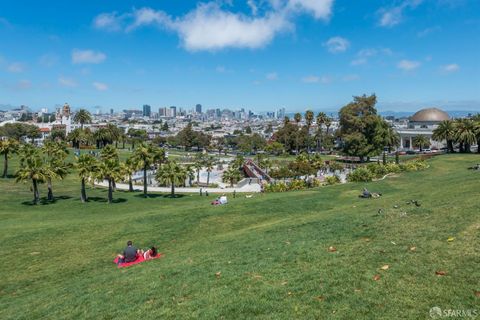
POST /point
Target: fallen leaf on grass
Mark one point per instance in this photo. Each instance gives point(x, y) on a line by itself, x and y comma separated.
point(319, 298)
point(440, 272)
point(34, 253)
point(357, 290)
point(393, 243)
point(385, 267)
point(332, 249)
point(477, 293)
point(413, 248)
point(450, 239)
point(218, 274)
point(284, 283)
point(376, 277)
point(289, 293)
point(287, 242)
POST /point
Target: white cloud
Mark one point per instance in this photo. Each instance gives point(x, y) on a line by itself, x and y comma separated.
point(326, 79)
point(337, 44)
point(100, 86)
point(220, 69)
point(351, 77)
point(87, 56)
point(23, 85)
point(365, 54)
point(271, 76)
point(108, 21)
point(48, 60)
point(310, 79)
point(211, 27)
point(449, 68)
point(16, 67)
point(67, 82)
point(390, 17)
point(428, 31)
point(253, 6)
point(408, 65)
point(321, 9)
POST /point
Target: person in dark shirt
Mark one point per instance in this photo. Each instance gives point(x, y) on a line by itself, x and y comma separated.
point(130, 253)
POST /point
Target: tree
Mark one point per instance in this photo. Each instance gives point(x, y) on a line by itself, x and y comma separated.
point(136, 136)
point(58, 134)
point(321, 119)
point(275, 148)
point(87, 169)
point(476, 128)
point(186, 137)
point(109, 169)
point(7, 147)
point(32, 169)
point(129, 168)
point(198, 164)
point(309, 118)
point(102, 137)
point(359, 124)
point(249, 144)
point(465, 134)
point(33, 132)
point(421, 142)
point(209, 164)
point(445, 132)
point(171, 173)
point(82, 117)
point(248, 130)
point(232, 175)
point(75, 136)
point(297, 117)
point(55, 154)
point(146, 156)
point(190, 171)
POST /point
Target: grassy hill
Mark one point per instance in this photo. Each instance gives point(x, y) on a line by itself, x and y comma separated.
point(270, 252)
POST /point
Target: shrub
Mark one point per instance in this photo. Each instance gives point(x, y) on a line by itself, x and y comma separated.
point(297, 185)
point(334, 166)
point(392, 168)
point(378, 170)
point(330, 180)
point(360, 175)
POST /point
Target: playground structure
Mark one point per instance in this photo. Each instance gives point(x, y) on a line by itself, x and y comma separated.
point(252, 170)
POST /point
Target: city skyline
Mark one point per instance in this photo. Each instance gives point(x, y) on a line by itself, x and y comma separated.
point(257, 55)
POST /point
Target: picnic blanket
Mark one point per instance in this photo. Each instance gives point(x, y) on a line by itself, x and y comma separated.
point(140, 259)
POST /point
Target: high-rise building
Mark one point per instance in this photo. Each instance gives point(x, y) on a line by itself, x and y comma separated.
point(147, 110)
point(198, 108)
point(111, 111)
point(173, 111)
point(281, 113)
point(162, 112)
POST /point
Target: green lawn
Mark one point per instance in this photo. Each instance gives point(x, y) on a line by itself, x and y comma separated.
point(271, 250)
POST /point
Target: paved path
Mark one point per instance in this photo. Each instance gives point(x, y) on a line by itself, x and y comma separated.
point(249, 188)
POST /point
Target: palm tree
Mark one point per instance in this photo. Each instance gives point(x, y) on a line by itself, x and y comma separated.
point(102, 137)
point(7, 147)
point(32, 168)
point(445, 132)
point(190, 170)
point(114, 133)
point(109, 169)
point(87, 167)
point(146, 156)
point(209, 165)
point(55, 154)
point(476, 120)
point(421, 142)
point(130, 167)
point(232, 175)
point(82, 117)
point(75, 136)
point(198, 164)
point(297, 117)
point(171, 173)
point(321, 119)
point(309, 115)
point(465, 134)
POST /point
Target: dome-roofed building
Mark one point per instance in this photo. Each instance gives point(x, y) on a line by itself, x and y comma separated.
point(422, 123)
point(430, 115)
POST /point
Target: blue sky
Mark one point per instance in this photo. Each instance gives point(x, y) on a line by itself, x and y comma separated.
point(256, 54)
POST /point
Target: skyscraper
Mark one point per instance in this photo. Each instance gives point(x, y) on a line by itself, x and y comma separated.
point(173, 111)
point(198, 108)
point(147, 110)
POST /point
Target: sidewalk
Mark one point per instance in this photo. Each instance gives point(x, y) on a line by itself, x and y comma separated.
point(249, 188)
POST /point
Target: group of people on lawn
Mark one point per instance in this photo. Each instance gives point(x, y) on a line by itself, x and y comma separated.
point(131, 254)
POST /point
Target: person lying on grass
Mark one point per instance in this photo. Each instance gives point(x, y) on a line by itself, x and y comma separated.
point(130, 253)
point(368, 194)
point(150, 253)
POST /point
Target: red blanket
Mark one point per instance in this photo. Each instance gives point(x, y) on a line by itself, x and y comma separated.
point(140, 259)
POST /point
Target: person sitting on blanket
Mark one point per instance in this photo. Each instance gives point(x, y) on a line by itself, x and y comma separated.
point(223, 199)
point(365, 193)
point(150, 253)
point(130, 253)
